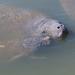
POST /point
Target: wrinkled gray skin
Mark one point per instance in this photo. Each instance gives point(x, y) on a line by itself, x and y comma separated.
point(22, 31)
point(42, 29)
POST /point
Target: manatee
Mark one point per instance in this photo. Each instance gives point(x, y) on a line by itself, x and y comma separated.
point(22, 31)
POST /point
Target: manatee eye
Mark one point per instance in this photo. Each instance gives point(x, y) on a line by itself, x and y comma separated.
point(44, 32)
point(58, 27)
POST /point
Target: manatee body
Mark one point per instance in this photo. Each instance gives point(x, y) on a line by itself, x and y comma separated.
point(22, 31)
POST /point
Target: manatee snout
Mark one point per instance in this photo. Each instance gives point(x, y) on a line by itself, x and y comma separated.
point(65, 31)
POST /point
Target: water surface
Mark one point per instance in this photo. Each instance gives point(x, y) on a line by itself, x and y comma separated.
point(55, 59)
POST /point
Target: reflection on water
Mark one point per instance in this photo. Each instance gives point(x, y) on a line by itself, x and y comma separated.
point(55, 59)
point(68, 6)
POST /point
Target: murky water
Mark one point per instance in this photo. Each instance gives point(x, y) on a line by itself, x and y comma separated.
point(55, 59)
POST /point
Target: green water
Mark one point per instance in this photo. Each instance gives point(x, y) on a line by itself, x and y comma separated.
point(56, 59)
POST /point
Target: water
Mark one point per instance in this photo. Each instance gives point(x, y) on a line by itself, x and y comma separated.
point(55, 59)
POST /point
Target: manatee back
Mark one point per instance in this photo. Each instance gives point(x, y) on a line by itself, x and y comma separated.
point(16, 26)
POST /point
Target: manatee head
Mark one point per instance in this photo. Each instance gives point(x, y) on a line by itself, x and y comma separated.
point(54, 29)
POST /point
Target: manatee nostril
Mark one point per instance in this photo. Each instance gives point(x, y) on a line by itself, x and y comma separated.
point(61, 25)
